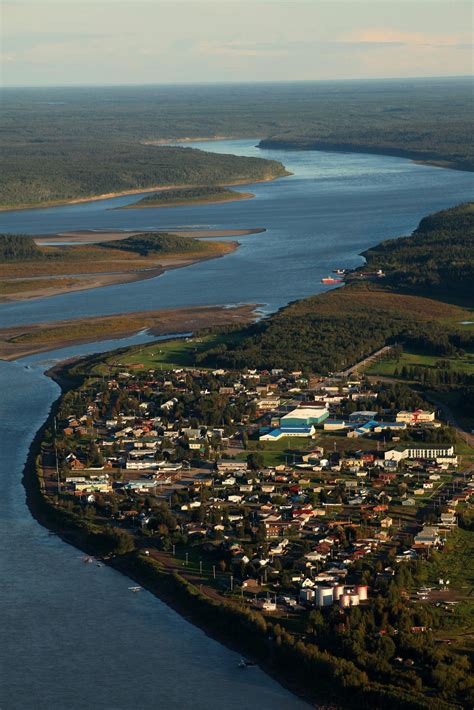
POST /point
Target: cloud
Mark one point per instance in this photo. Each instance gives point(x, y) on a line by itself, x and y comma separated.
point(386, 37)
point(237, 48)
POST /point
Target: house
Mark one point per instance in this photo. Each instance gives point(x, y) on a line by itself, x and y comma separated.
point(418, 416)
point(427, 537)
point(335, 425)
point(266, 404)
point(98, 485)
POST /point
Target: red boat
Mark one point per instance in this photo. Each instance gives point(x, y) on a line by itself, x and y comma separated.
point(331, 280)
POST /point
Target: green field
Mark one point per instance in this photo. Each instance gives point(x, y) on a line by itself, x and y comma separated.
point(278, 452)
point(167, 354)
point(387, 366)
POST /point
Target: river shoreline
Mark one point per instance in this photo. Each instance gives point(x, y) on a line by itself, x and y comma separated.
point(88, 281)
point(42, 512)
point(134, 191)
point(183, 203)
point(328, 147)
point(19, 342)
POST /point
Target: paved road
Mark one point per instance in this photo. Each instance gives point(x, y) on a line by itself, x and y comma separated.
point(366, 361)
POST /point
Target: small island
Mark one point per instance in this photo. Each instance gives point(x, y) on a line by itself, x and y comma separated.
point(32, 270)
point(189, 196)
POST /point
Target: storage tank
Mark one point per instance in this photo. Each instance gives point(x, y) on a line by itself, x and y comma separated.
point(361, 590)
point(324, 596)
point(354, 597)
point(337, 592)
point(345, 601)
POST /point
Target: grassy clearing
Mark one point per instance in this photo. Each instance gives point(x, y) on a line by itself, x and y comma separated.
point(170, 353)
point(456, 562)
point(278, 452)
point(366, 295)
point(387, 366)
point(11, 288)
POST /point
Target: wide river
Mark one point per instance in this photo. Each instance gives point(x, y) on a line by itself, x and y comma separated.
point(333, 207)
point(72, 635)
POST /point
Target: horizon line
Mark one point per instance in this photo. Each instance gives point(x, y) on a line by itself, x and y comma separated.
point(240, 82)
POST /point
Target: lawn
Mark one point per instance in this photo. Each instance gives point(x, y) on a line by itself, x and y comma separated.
point(278, 452)
point(168, 354)
point(387, 366)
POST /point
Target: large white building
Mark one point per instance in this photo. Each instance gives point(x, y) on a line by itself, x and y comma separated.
point(439, 453)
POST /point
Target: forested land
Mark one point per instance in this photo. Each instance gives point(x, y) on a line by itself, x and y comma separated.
point(188, 195)
point(334, 330)
point(152, 243)
point(18, 247)
point(438, 258)
point(55, 171)
point(61, 144)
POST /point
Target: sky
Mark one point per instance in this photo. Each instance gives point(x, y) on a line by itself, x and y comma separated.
point(99, 42)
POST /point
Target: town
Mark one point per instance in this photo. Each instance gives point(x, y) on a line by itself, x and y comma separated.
point(288, 493)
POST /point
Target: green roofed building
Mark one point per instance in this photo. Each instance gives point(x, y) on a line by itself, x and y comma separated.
point(304, 417)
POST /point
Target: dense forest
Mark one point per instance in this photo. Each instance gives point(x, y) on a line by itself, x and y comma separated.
point(437, 258)
point(183, 195)
point(18, 247)
point(59, 144)
point(48, 172)
point(149, 243)
point(318, 334)
point(333, 330)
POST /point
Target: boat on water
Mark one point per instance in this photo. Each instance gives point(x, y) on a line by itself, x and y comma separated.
point(331, 280)
point(243, 663)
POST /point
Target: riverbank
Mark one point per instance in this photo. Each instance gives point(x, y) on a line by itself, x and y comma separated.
point(18, 342)
point(418, 157)
point(135, 191)
point(93, 236)
point(315, 675)
point(41, 279)
point(188, 196)
point(212, 605)
point(165, 587)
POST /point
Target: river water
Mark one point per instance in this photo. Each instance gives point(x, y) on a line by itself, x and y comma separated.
point(72, 635)
point(332, 208)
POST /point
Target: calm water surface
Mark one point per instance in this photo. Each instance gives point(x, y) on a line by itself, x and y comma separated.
point(72, 635)
point(332, 208)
